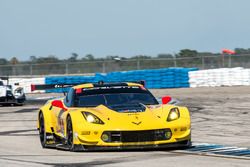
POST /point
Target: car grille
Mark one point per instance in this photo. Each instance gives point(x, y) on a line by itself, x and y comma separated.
point(138, 136)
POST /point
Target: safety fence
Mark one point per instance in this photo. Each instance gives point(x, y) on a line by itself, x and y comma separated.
point(155, 79)
point(106, 66)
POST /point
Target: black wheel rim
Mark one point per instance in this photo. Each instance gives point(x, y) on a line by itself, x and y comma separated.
point(69, 132)
point(41, 129)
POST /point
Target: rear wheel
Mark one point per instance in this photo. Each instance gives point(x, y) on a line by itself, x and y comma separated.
point(20, 102)
point(6, 104)
point(42, 132)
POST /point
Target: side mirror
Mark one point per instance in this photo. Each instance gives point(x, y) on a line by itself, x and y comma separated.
point(59, 104)
point(166, 99)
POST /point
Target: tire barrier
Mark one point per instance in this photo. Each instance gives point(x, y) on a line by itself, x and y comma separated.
point(155, 78)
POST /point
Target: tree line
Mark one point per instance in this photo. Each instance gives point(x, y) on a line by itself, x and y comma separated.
point(74, 57)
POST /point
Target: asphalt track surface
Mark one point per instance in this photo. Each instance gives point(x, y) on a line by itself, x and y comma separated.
point(220, 117)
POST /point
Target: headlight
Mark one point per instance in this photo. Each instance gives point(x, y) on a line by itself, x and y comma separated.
point(91, 118)
point(174, 114)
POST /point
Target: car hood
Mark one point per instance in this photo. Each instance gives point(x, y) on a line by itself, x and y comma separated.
point(154, 116)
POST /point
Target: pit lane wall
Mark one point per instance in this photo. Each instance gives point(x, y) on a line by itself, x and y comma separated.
point(155, 78)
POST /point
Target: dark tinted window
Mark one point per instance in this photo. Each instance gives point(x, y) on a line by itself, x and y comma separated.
point(68, 100)
point(115, 99)
point(91, 100)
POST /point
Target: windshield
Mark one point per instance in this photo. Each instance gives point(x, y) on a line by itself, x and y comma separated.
point(116, 99)
point(120, 99)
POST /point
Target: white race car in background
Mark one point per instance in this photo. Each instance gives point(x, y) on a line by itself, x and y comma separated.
point(11, 94)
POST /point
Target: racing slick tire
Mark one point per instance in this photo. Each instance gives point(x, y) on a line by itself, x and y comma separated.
point(42, 132)
point(6, 104)
point(18, 104)
point(70, 137)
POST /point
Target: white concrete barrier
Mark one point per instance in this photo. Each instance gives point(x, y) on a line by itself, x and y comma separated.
point(219, 77)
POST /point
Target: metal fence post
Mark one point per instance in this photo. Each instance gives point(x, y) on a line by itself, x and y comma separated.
point(138, 64)
point(66, 68)
point(175, 63)
point(202, 62)
point(229, 61)
point(13, 70)
point(223, 60)
point(31, 70)
point(103, 67)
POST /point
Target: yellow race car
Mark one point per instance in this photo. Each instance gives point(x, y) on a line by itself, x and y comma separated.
point(104, 116)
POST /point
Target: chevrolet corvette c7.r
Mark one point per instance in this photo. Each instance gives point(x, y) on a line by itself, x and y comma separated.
point(108, 116)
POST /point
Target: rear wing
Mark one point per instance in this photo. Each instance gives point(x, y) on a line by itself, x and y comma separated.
point(5, 78)
point(50, 86)
point(98, 84)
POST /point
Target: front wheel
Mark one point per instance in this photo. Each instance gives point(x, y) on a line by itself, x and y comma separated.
point(42, 132)
point(70, 137)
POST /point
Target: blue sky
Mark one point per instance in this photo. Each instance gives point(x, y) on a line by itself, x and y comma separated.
point(120, 27)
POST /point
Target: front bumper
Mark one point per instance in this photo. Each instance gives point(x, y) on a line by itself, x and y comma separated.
point(181, 144)
point(178, 139)
point(12, 100)
point(136, 137)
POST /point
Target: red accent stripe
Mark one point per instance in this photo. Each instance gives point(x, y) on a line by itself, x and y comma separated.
point(79, 90)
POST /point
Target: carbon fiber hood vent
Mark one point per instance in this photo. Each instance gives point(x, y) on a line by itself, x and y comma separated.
point(131, 107)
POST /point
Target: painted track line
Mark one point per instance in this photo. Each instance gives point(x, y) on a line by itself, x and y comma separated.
point(216, 150)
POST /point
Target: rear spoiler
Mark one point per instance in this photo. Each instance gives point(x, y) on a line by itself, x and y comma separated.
point(5, 78)
point(98, 84)
point(49, 86)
